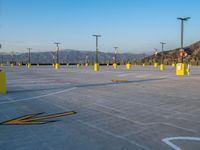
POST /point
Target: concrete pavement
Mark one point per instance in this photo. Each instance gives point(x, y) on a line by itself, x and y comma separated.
point(140, 114)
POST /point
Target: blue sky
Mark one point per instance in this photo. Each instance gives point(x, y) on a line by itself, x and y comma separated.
point(133, 25)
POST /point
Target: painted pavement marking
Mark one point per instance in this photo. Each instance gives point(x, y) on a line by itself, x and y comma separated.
point(175, 147)
point(41, 96)
point(33, 119)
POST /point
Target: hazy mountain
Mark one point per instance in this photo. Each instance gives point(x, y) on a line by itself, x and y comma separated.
point(70, 56)
point(170, 56)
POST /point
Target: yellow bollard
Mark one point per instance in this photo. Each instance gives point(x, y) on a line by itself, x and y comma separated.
point(53, 66)
point(107, 65)
point(128, 66)
point(57, 66)
point(155, 65)
point(180, 69)
point(29, 66)
point(162, 67)
point(78, 66)
point(115, 66)
point(2, 83)
point(96, 67)
point(86, 65)
point(143, 65)
point(173, 65)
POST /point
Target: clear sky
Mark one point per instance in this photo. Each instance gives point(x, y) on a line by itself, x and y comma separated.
point(132, 25)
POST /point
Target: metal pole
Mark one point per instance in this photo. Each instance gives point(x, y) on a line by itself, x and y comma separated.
point(29, 55)
point(57, 52)
point(155, 55)
point(115, 54)
point(162, 51)
point(53, 62)
point(182, 30)
point(57, 55)
point(182, 34)
point(97, 47)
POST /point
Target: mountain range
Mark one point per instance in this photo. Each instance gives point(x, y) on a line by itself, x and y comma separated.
point(68, 56)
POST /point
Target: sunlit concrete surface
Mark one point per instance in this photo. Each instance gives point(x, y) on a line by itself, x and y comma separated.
point(139, 114)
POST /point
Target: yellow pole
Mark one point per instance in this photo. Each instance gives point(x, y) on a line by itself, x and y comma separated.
point(96, 67)
point(162, 67)
point(2, 83)
point(115, 66)
point(128, 66)
point(57, 66)
point(78, 66)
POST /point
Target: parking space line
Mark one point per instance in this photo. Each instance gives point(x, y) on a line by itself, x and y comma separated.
point(41, 96)
point(175, 147)
point(114, 135)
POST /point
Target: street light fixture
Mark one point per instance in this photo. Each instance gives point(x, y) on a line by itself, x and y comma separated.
point(115, 52)
point(57, 51)
point(162, 43)
point(97, 47)
point(182, 33)
point(29, 55)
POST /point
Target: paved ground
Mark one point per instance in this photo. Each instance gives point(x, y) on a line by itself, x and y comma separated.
point(153, 110)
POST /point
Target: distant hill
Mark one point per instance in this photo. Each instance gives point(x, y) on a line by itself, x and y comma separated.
point(70, 56)
point(171, 56)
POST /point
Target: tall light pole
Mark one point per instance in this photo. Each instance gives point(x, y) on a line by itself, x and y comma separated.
point(162, 43)
point(29, 55)
point(155, 54)
point(86, 59)
point(52, 53)
point(57, 51)
point(12, 57)
point(97, 47)
point(115, 52)
point(182, 33)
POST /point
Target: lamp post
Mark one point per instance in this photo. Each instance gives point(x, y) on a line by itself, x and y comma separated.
point(97, 47)
point(155, 57)
point(162, 43)
point(29, 55)
point(96, 65)
point(162, 67)
point(182, 34)
point(57, 52)
point(57, 55)
point(115, 52)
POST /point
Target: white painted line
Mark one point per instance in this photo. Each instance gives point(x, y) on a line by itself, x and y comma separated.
point(112, 134)
point(41, 96)
point(175, 147)
point(40, 84)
